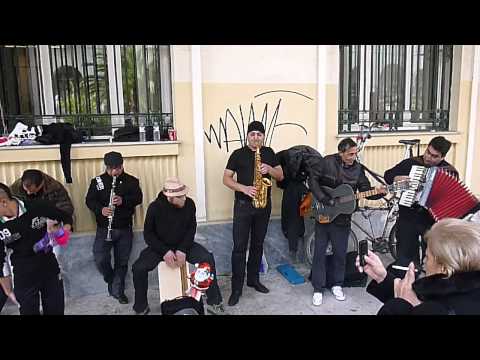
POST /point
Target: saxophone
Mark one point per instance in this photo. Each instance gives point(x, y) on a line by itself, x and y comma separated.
point(261, 184)
point(111, 206)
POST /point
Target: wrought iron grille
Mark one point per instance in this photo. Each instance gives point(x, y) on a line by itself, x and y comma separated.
point(81, 89)
point(397, 87)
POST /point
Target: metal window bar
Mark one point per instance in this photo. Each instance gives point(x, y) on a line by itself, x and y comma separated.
point(72, 87)
point(409, 87)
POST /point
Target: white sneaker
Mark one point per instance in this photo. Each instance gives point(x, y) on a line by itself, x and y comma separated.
point(338, 293)
point(317, 298)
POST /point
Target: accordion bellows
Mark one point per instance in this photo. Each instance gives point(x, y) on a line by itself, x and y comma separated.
point(449, 197)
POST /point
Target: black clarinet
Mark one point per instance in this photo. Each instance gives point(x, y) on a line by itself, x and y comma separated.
point(111, 206)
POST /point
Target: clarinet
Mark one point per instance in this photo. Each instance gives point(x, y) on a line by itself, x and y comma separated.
point(111, 206)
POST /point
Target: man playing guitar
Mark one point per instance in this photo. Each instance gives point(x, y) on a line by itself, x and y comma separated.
point(339, 168)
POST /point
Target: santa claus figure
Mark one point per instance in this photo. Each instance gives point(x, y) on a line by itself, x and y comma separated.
point(200, 280)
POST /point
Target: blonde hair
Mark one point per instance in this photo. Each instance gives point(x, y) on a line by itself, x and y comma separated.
point(455, 245)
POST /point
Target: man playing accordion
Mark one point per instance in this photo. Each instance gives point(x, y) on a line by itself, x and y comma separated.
point(416, 220)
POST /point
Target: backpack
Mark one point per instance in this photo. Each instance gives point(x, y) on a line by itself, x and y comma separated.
point(182, 305)
point(131, 133)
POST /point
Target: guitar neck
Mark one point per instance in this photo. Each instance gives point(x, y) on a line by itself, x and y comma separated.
point(364, 194)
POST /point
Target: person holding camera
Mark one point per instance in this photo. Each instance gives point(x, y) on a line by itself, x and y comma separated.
point(339, 168)
point(452, 282)
point(24, 231)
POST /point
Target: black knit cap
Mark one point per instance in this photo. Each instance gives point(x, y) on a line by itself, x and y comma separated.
point(113, 159)
point(256, 126)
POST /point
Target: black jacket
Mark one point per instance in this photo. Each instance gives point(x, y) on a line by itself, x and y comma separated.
point(298, 162)
point(168, 227)
point(98, 196)
point(415, 212)
point(334, 173)
point(459, 294)
point(21, 233)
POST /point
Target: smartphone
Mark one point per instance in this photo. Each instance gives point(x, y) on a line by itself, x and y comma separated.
point(362, 251)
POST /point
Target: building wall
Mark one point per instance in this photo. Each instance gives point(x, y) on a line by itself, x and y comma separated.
point(151, 164)
point(293, 89)
point(273, 84)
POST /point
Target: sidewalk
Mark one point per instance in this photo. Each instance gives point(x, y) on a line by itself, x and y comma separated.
point(283, 299)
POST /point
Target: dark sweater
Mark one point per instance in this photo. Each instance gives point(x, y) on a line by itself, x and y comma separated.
point(21, 233)
point(52, 191)
point(168, 227)
point(403, 169)
point(333, 173)
point(98, 197)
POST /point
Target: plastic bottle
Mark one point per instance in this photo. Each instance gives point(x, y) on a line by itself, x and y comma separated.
point(141, 128)
point(156, 132)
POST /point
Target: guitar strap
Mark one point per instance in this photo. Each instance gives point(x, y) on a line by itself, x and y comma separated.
point(375, 175)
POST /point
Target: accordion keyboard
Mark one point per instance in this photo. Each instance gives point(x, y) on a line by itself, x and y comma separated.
point(416, 176)
point(407, 198)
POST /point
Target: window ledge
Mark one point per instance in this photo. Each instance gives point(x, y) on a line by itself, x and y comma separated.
point(88, 151)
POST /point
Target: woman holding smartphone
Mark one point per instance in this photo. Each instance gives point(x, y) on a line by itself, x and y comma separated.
point(452, 282)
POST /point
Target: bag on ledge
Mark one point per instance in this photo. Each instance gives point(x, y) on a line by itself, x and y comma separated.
point(131, 133)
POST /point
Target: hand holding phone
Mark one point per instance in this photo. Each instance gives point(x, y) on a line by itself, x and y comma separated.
point(362, 251)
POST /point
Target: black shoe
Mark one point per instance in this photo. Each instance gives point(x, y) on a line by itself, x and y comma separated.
point(122, 299)
point(109, 288)
point(144, 312)
point(259, 287)
point(233, 300)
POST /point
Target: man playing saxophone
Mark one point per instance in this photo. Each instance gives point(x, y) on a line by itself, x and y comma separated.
point(254, 165)
point(112, 197)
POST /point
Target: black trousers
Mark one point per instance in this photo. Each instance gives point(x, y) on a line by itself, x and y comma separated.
point(122, 247)
point(47, 287)
point(293, 225)
point(408, 231)
point(334, 270)
point(248, 222)
point(149, 260)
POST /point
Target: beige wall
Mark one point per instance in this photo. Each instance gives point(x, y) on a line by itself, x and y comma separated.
point(234, 76)
point(237, 87)
point(151, 164)
point(292, 108)
point(243, 77)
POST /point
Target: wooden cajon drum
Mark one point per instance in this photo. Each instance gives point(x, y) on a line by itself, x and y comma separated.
point(171, 282)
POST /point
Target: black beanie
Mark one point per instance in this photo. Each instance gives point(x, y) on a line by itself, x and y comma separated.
point(256, 126)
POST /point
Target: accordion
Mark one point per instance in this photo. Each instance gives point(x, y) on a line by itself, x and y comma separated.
point(438, 191)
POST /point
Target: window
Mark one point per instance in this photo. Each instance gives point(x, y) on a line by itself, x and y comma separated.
point(398, 87)
point(95, 87)
point(21, 88)
point(146, 83)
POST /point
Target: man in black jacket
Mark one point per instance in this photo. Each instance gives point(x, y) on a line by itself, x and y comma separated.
point(169, 231)
point(23, 227)
point(127, 195)
point(414, 221)
point(339, 168)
